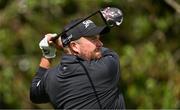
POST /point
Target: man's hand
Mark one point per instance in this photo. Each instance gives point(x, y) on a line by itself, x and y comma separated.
point(48, 49)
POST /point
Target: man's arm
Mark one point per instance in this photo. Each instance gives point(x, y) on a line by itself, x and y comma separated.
point(108, 63)
point(45, 63)
point(37, 90)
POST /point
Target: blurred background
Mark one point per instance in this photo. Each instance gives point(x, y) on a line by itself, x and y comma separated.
point(148, 43)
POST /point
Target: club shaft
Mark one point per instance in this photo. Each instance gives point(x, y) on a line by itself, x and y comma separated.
point(58, 35)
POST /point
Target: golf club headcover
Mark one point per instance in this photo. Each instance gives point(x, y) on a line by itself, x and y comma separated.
point(49, 51)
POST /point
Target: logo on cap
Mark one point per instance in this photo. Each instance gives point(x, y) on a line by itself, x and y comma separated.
point(67, 40)
point(87, 23)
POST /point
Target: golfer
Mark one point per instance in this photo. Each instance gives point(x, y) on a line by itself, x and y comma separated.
point(87, 75)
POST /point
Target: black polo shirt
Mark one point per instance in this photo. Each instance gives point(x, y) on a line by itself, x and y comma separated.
point(68, 86)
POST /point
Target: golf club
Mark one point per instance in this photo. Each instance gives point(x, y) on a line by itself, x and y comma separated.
point(111, 16)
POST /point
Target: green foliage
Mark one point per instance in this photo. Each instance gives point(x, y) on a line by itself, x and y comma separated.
point(147, 42)
point(141, 26)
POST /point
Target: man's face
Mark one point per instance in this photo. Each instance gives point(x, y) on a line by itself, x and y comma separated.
point(90, 47)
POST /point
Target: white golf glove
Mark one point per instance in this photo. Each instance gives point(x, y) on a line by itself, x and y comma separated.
point(49, 51)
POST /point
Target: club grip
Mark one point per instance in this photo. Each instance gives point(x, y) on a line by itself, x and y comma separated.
point(55, 38)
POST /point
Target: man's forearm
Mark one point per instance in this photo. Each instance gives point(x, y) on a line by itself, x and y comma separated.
point(45, 63)
point(37, 90)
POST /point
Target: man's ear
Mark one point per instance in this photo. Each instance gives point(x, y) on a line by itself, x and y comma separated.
point(74, 47)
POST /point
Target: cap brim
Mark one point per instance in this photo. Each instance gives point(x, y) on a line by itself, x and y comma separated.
point(97, 31)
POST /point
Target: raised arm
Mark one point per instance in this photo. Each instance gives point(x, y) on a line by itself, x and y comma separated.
point(37, 89)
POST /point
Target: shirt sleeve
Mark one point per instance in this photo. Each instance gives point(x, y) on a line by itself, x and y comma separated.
point(109, 58)
point(106, 69)
point(37, 90)
point(108, 52)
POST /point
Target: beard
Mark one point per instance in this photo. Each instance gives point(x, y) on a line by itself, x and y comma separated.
point(94, 55)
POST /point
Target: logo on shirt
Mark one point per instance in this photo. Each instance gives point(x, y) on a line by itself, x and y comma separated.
point(38, 83)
